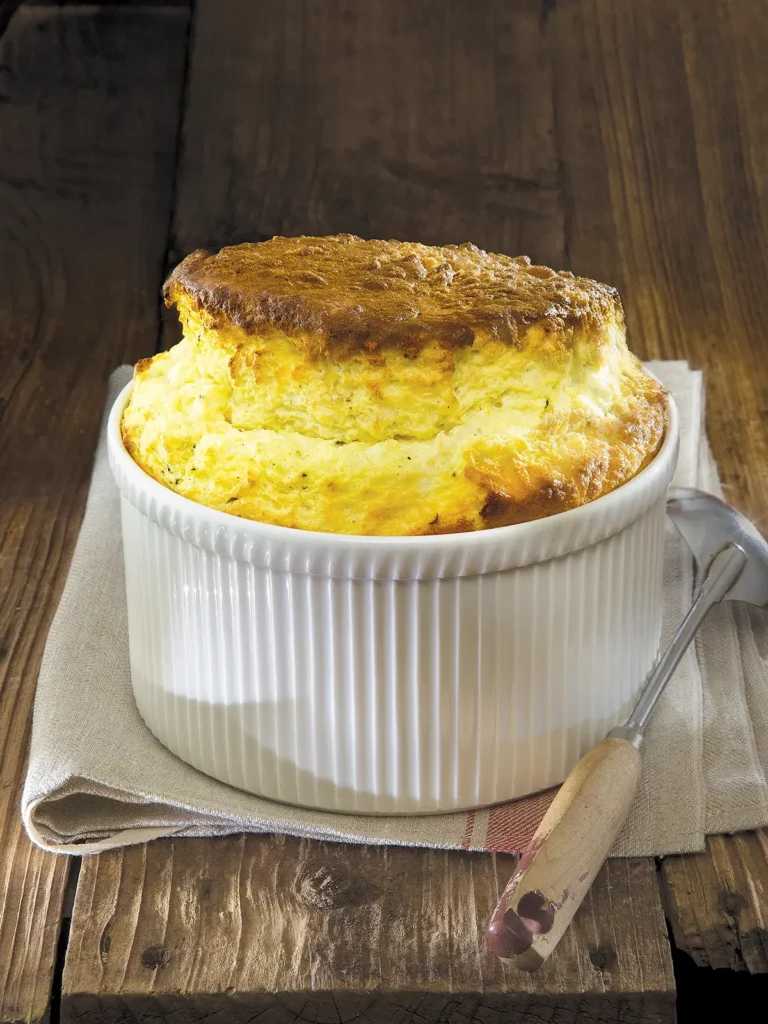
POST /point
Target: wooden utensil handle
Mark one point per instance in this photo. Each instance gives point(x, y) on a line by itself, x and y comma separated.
point(565, 854)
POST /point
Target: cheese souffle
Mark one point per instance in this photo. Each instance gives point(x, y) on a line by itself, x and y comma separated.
point(389, 388)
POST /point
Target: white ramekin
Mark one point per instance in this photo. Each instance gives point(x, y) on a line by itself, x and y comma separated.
point(389, 675)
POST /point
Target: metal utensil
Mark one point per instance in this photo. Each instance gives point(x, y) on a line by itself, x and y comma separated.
point(577, 832)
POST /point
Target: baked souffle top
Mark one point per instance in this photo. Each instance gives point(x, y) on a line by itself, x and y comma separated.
point(391, 388)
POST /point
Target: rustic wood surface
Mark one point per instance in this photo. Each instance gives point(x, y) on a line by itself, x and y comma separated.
point(84, 207)
point(397, 120)
point(717, 902)
point(285, 929)
point(625, 140)
point(662, 116)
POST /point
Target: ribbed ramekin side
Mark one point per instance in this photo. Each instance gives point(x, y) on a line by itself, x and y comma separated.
point(377, 696)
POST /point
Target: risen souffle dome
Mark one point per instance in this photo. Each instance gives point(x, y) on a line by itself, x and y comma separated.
point(390, 388)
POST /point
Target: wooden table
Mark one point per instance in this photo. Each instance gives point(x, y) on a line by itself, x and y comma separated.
point(627, 140)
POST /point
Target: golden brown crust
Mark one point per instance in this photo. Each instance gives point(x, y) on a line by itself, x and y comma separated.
point(340, 292)
point(387, 388)
point(581, 470)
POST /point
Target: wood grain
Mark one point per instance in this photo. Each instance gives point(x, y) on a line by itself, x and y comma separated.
point(662, 114)
point(288, 929)
point(88, 108)
point(430, 121)
point(717, 902)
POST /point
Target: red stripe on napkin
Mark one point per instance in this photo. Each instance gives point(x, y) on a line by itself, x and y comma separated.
point(468, 830)
point(511, 826)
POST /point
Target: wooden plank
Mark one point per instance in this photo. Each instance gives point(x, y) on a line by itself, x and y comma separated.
point(667, 195)
point(287, 929)
point(88, 121)
point(431, 121)
point(662, 116)
point(717, 902)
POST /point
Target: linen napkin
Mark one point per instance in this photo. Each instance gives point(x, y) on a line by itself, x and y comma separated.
point(97, 778)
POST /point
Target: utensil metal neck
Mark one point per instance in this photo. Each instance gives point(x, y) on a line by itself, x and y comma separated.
point(724, 569)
